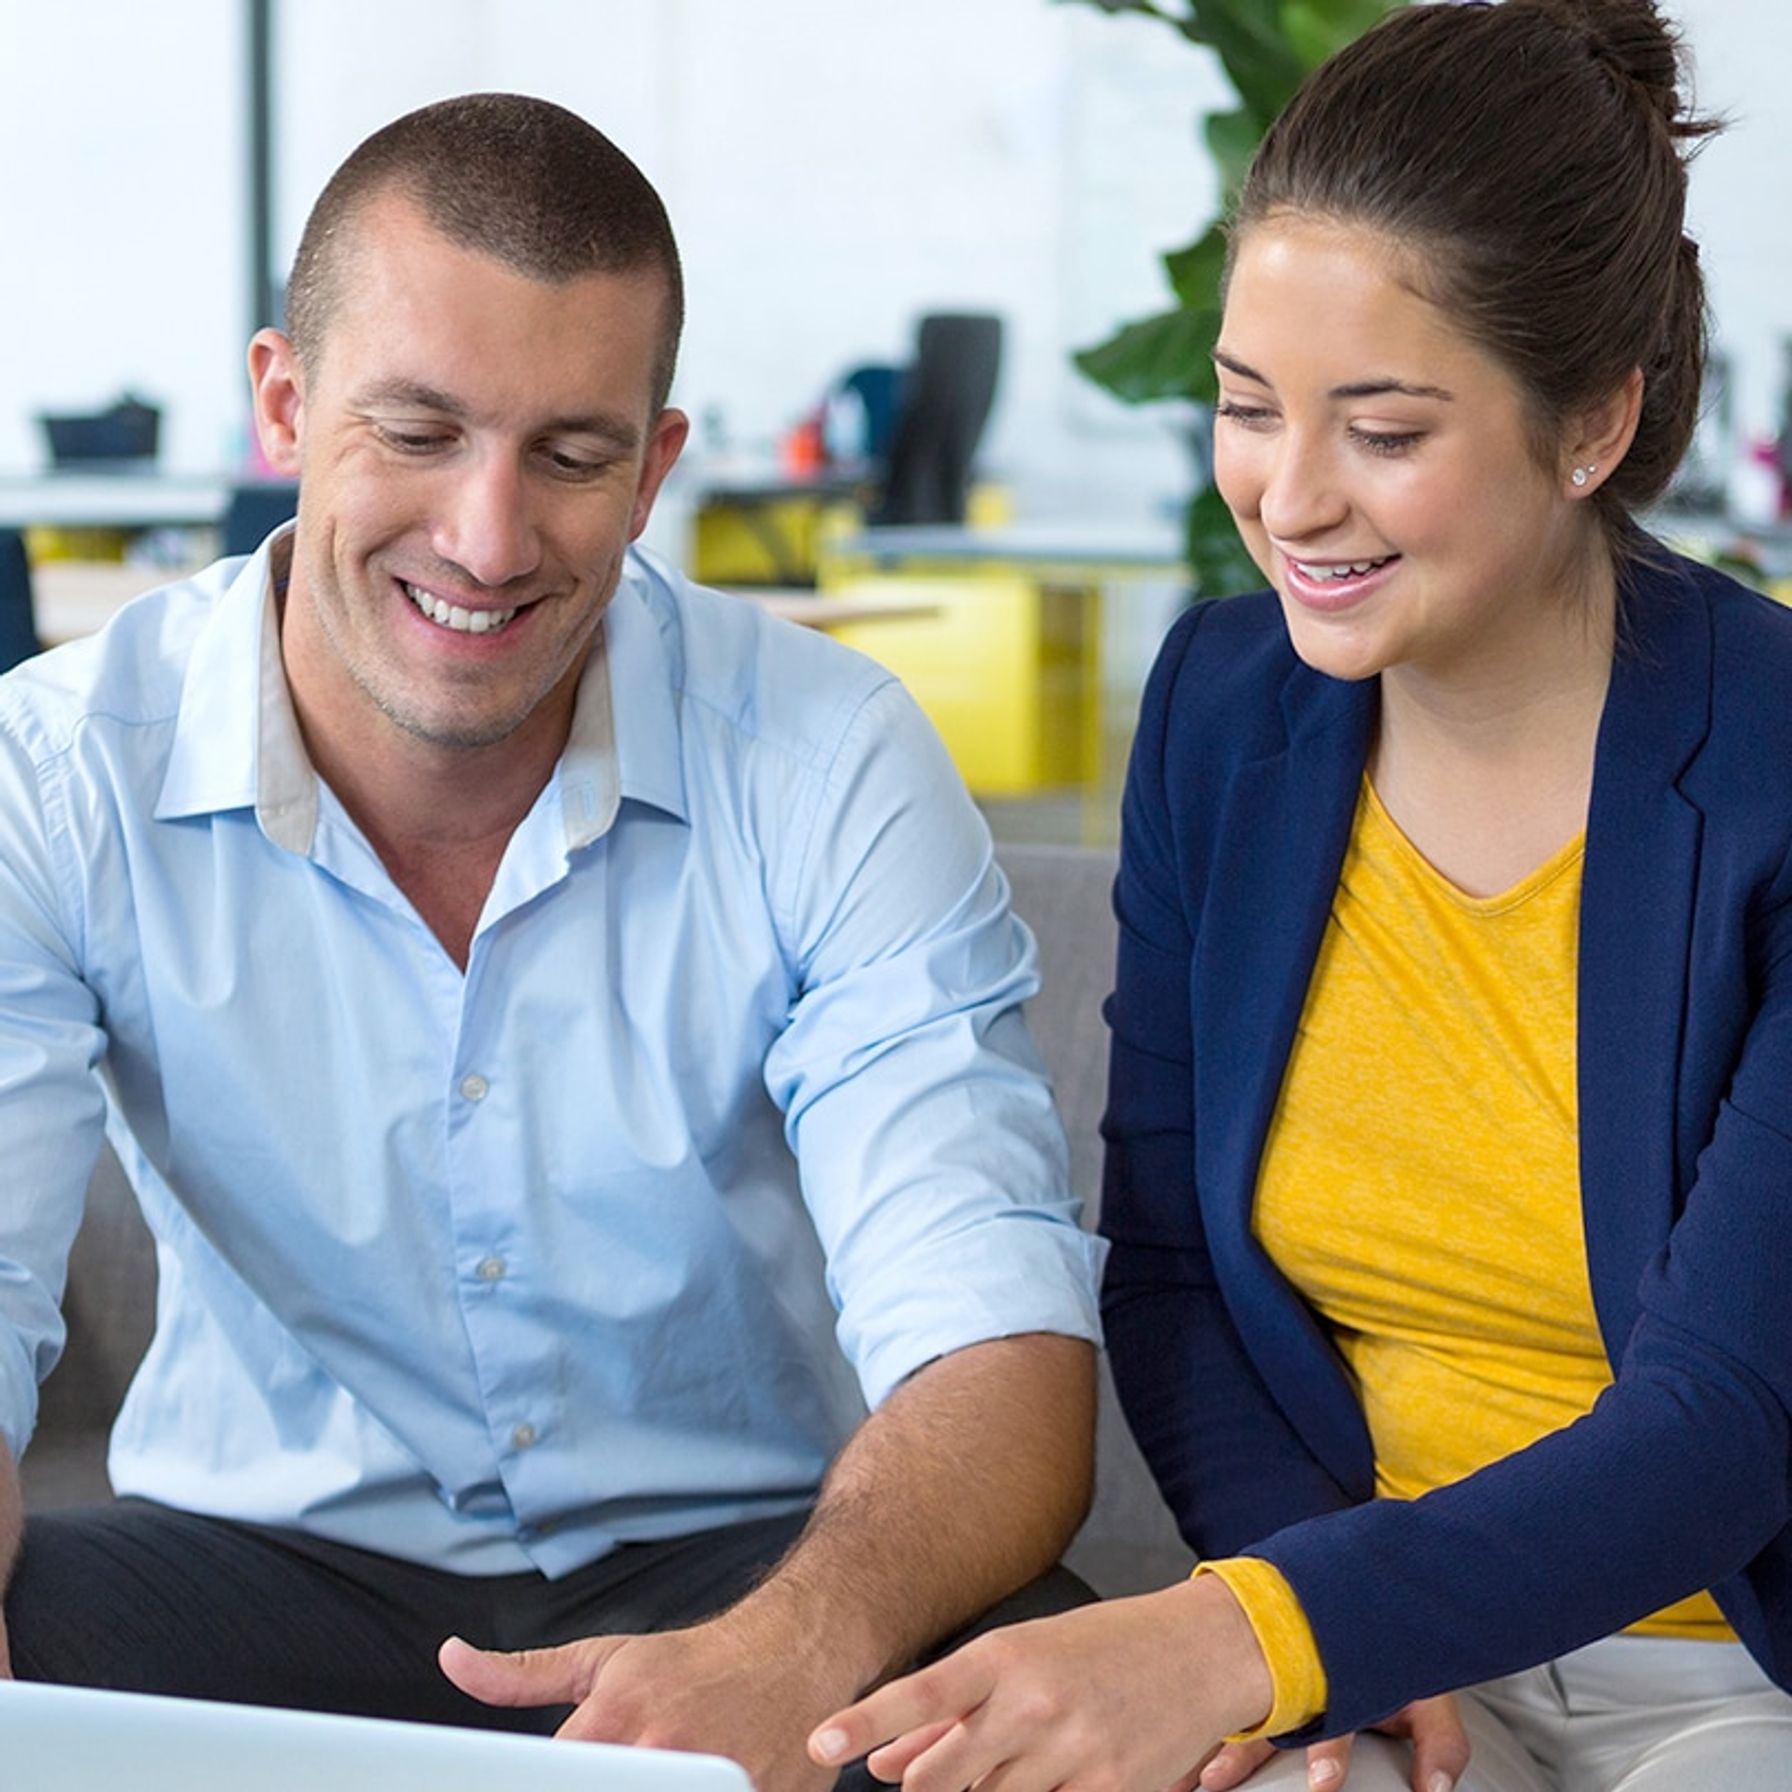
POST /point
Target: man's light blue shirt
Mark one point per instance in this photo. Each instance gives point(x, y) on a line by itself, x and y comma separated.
point(731, 1123)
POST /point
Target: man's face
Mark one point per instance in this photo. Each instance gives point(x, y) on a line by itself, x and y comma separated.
point(475, 451)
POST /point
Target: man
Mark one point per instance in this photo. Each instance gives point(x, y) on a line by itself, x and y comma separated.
point(539, 1004)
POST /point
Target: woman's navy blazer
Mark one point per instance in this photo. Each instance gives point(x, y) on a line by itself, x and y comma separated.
point(1239, 802)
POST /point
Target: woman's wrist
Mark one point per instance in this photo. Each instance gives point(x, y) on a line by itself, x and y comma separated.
point(1215, 1639)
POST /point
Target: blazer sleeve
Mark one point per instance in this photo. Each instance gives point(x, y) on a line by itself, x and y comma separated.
point(1230, 1465)
point(1678, 1479)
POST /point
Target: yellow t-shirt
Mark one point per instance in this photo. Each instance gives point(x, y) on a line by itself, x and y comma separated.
point(1421, 1181)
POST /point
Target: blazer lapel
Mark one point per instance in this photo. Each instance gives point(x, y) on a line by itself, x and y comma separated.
point(1283, 829)
point(1636, 920)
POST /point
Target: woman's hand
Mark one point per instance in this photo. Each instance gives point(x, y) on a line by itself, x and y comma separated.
point(1439, 1752)
point(1127, 1696)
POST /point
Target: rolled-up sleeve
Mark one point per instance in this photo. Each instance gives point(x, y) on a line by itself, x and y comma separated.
point(932, 1159)
point(51, 1106)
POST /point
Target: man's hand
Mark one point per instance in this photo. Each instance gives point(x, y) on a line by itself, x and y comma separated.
point(963, 1486)
point(1132, 1695)
point(710, 1689)
point(1439, 1752)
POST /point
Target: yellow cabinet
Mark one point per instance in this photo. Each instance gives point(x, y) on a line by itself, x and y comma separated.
point(1008, 667)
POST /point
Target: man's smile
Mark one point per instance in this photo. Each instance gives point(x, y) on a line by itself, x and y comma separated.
point(456, 616)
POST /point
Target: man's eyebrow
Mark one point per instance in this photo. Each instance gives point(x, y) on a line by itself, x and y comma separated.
point(1374, 388)
point(412, 393)
point(619, 432)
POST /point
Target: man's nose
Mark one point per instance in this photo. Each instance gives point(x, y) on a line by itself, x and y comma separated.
point(487, 526)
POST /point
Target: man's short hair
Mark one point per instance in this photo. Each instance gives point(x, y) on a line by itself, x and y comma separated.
point(519, 179)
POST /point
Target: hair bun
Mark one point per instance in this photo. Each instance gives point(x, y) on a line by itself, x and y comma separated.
point(1633, 40)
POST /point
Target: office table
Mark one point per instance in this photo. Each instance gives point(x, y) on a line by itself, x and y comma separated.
point(1063, 551)
point(122, 500)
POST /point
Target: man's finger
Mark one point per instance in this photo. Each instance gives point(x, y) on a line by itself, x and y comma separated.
point(938, 1695)
point(561, 1676)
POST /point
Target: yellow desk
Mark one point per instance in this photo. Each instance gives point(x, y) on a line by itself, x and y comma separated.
point(1010, 668)
point(773, 534)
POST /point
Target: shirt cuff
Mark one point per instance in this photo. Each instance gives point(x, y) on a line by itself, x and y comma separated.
point(1297, 1675)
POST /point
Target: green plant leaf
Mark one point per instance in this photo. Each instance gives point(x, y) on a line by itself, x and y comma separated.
point(1195, 271)
point(1345, 19)
point(1316, 29)
point(1218, 563)
point(1232, 139)
point(1166, 356)
point(1257, 59)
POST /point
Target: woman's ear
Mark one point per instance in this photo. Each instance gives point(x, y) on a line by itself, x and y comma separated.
point(1600, 437)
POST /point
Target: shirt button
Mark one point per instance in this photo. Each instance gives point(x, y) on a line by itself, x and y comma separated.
point(523, 1436)
point(491, 1269)
point(474, 1086)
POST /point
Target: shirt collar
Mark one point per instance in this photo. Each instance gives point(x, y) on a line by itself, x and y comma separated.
point(215, 762)
point(646, 688)
point(237, 742)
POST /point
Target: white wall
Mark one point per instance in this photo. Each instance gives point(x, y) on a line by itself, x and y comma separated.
point(1741, 206)
point(121, 183)
point(833, 167)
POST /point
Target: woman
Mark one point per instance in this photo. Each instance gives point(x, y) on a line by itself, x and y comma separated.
point(1450, 1125)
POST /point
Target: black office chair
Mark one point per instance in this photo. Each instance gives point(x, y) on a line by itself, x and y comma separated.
point(18, 621)
point(946, 397)
point(256, 511)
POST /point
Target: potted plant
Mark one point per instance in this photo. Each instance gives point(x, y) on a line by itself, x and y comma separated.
point(1266, 48)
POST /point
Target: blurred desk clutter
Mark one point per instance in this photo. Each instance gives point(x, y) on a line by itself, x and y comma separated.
point(124, 437)
point(87, 541)
point(1758, 551)
point(885, 445)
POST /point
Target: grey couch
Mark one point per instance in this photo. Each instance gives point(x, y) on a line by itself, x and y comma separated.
point(1129, 1543)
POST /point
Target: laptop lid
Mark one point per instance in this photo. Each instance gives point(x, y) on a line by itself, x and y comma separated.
point(75, 1739)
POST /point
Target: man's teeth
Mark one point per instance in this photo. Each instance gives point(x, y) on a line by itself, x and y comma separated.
point(1340, 570)
point(468, 622)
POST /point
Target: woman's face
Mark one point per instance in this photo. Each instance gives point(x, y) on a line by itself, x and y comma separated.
point(1381, 466)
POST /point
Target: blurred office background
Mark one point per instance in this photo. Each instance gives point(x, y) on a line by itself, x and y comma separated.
point(836, 169)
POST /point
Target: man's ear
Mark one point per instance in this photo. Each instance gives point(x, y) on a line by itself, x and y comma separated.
point(278, 390)
point(1601, 436)
point(664, 446)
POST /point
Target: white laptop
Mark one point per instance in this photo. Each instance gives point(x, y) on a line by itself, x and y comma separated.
point(72, 1739)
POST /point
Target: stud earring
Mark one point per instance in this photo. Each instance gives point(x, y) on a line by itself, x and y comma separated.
point(1581, 475)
